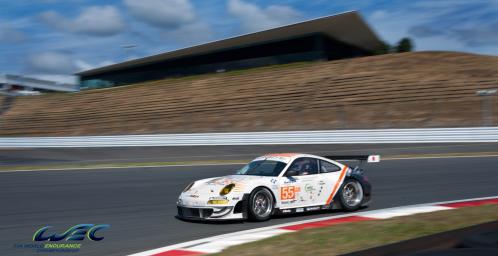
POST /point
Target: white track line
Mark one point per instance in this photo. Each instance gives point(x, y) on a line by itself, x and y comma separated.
point(436, 157)
point(121, 167)
point(221, 164)
point(405, 211)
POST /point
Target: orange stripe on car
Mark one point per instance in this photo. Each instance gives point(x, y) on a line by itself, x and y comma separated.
point(336, 186)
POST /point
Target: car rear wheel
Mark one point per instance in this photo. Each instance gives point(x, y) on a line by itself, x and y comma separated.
point(351, 195)
point(260, 204)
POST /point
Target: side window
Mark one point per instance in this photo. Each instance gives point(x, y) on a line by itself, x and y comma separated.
point(326, 167)
point(304, 166)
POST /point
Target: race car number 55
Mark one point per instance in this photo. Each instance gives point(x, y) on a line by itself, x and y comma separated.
point(288, 192)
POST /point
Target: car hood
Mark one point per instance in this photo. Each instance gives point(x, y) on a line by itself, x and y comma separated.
point(213, 186)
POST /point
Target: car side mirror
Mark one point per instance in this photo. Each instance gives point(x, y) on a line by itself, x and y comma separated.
point(291, 173)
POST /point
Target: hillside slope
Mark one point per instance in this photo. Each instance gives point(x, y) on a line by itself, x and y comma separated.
point(421, 89)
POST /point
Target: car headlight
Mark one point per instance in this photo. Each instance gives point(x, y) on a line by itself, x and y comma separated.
point(224, 191)
point(218, 201)
point(188, 186)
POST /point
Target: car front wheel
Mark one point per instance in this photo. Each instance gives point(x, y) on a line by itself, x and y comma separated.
point(260, 204)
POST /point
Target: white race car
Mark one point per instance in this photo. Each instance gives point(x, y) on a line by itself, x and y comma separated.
point(278, 184)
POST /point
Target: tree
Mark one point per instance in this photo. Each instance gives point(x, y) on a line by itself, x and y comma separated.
point(384, 49)
point(404, 45)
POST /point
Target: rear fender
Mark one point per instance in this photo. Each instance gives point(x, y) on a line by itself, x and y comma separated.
point(358, 176)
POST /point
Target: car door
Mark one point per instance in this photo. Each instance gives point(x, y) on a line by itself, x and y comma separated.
point(301, 189)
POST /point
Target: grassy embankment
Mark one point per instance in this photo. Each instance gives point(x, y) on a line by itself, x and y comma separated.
point(350, 237)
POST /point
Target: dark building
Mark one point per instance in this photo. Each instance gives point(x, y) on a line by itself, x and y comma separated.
point(334, 37)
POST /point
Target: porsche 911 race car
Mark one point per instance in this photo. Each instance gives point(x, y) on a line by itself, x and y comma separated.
point(278, 184)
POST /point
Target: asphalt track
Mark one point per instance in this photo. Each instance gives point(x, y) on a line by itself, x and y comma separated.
point(139, 203)
point(47, 156)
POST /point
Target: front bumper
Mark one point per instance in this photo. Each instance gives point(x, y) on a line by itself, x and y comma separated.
point(208, 213)
point(233, 211)
point(194, 213)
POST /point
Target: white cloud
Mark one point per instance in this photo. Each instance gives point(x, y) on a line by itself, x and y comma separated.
point(255, 18)
point(390, 24)
point(59, 63)
point(379, 14)
point(481, 36)
point(190, 34)
point(176, 20)
point(468, 26)
point(93, 20)
point(52, 63)
point(10, 35)
point(83, 65)
point(162, 13)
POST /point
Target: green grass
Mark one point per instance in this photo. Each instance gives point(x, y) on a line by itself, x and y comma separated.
point(350, 237)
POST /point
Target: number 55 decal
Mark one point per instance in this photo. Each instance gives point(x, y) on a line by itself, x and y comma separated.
point(289, 192)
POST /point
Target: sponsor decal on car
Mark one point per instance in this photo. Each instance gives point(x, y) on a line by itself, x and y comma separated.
point(308, 188)
point(239, 187)
point(310, 191)
point(289, 202)
point(220, 181)
point(277, 157)
point(289, 192)
point(299, 209)
point(313, 208)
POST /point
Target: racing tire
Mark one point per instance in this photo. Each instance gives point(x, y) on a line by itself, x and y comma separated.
point(351, 195)
point(261, 204)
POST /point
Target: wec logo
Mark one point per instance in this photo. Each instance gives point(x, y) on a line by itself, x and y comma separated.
point(75, 233)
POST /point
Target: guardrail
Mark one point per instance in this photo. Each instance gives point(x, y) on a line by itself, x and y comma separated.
point(432, 135)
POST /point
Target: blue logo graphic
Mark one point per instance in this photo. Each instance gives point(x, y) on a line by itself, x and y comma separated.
point(75, 233)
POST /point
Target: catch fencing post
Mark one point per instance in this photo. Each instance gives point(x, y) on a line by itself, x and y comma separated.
point(487, 106)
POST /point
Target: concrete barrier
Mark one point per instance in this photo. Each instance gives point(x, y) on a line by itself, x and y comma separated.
point(432, 135)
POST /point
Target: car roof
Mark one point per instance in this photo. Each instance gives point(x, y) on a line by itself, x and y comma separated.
point(281, 154)
point(291, 155)
point(287, 157)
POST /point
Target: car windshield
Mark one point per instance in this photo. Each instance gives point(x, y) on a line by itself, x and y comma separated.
point(262, 168)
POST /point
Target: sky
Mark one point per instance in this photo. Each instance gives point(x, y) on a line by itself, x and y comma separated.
point(53, 39)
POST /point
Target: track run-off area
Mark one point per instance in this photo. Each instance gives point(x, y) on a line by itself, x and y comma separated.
point(139, 204)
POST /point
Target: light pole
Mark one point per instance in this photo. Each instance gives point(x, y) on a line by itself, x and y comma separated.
point(128, 48)
point(486, 105)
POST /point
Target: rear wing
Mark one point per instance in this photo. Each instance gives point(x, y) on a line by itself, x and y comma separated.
point(361, 158)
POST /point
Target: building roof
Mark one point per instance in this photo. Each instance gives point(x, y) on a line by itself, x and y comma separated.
point(37, 83)
point(348, 27)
